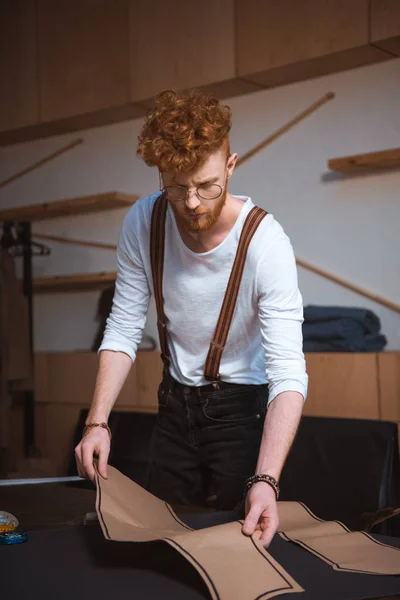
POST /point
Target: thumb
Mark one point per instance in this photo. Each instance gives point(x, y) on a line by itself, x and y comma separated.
point(102, 464)
point(251, 521)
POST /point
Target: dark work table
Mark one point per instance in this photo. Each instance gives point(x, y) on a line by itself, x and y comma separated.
point(64, 559)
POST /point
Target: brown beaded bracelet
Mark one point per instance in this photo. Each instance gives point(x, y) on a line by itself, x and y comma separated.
point(91, 425)
point(271, 481)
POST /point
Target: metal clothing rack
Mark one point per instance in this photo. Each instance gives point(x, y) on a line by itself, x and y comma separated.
point(16, 237)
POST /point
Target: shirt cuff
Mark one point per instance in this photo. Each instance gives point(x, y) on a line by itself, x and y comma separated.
point(118, 347)
point(287, 386)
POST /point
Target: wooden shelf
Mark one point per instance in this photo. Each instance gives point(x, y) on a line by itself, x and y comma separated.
point(70, 206)
point(373, 160)
point(74, 283)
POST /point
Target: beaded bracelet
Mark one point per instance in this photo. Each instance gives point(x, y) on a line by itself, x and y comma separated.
point(91, 425)
point(271, 481)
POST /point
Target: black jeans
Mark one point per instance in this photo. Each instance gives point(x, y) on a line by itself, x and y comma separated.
point(206, 442)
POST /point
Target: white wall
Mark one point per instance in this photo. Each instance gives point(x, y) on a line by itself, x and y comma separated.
point(346, 225)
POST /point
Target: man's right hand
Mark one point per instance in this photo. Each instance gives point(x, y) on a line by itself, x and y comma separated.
point(95, 443)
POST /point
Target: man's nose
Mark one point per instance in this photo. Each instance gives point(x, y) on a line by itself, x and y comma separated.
point(192, 200)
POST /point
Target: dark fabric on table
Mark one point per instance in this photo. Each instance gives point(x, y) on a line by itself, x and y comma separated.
point(342, 468)
point(341, 329)
point(78, 563)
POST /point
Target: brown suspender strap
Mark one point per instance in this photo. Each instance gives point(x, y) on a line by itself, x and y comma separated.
point(214, 356)
point(157, 242)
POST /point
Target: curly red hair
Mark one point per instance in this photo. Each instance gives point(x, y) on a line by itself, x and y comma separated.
point(183, 129)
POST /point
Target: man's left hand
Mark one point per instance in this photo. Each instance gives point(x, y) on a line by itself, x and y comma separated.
point(261, 513)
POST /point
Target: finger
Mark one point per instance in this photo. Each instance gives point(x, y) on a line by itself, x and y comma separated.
point(251, 521)
point(102, 464)
point(268, 533)
point(78, 458)
point(88, 462)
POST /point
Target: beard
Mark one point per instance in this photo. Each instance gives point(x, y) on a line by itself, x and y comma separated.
point(207, 219)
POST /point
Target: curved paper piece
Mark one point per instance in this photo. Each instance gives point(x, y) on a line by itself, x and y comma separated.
point(233, 566)
point(334, 543)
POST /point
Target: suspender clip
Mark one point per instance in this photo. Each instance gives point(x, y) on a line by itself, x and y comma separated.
point(214, 380)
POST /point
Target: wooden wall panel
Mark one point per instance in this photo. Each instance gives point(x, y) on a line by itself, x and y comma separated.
point(73, 65)
point(292, 40)
point(64, 386)
point(179, 44)
point(385, 25)
point(69, 378)
point(389, 385)
point(18, 64)
point(83, 56)
point(272, 34)
point(342, 385)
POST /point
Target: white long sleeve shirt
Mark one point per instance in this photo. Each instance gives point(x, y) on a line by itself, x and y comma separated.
point(265, 342)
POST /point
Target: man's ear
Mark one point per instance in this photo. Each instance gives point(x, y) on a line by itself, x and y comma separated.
point(232, 163)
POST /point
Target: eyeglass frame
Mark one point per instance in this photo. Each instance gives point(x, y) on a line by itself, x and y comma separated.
point(187, 191)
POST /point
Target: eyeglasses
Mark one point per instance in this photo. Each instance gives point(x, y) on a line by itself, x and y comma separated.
point(205, 191)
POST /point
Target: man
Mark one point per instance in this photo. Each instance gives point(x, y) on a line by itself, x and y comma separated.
point(212, 433)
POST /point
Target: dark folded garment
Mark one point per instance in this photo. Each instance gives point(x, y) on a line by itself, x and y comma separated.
point(348, 330)
point(373, 342)
point(369, 320)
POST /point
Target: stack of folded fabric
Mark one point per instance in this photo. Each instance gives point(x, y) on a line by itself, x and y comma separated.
point(341, 329)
